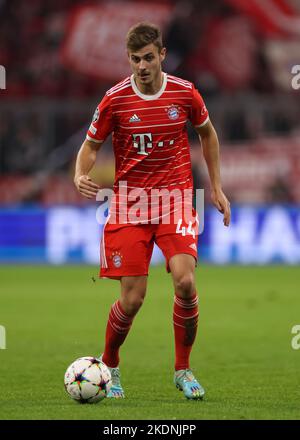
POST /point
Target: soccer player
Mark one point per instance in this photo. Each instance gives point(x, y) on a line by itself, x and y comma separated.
point(147, 114)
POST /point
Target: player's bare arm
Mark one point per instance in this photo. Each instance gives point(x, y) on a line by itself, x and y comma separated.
point(85, 161)
point(211, 151)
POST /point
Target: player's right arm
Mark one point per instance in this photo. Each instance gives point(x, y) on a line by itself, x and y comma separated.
point(85, 161)
point(98, 131)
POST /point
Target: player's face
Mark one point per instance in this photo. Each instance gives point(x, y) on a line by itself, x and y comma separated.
point(146, 63)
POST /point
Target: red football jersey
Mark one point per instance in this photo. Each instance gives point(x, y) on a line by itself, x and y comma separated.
point(150, 138)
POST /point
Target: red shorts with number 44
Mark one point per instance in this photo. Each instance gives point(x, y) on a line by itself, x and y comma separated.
point(126, 249)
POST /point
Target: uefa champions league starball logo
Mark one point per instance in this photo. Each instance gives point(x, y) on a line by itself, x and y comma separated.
point(96, 115)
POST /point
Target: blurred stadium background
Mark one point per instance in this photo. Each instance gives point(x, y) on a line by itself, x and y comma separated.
point(60, 57)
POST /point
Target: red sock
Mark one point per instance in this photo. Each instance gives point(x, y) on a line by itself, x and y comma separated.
point(185, 320)
point(117, 328)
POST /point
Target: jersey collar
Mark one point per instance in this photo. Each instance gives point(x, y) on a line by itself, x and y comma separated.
point(149, 97)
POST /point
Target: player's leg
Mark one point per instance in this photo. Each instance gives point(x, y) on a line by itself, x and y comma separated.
point(126, 253)
point(178, 241)
point(185, 321)
point(179, 246)
point(185, 312)
point(122, 313)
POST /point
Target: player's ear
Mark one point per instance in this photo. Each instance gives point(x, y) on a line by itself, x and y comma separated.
point(163, 54)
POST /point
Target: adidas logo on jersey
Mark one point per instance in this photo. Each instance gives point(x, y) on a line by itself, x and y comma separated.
point(134, 118)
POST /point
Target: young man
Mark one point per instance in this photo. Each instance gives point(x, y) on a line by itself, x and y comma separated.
point(147, 113)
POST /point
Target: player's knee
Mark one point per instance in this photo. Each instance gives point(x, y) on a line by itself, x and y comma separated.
point(132, 299)
point(132, 305)
point(185, 285)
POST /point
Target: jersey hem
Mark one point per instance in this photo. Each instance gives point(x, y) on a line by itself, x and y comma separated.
point(203, 123)
point(89, 138)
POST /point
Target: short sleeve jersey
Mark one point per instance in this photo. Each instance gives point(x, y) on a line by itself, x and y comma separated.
point(149, 132)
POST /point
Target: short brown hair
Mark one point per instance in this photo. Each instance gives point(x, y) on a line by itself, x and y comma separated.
point(142, 34)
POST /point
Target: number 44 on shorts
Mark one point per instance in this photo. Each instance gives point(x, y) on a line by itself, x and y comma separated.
point(183, 230)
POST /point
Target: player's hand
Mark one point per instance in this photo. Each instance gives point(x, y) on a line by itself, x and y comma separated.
point(86, 186)
point(222, 204)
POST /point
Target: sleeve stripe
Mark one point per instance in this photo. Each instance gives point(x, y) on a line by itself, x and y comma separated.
point(89, 138)
point(203, 123)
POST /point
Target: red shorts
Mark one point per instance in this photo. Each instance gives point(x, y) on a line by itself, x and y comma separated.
point(126, 249)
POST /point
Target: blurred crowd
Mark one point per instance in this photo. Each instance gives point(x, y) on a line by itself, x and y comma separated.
point(30, 37)
point(223, 51)
point(31, 34)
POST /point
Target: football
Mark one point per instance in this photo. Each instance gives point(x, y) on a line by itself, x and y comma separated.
point(87, 380)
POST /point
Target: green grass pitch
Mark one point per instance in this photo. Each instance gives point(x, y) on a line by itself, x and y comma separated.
point(242, 355)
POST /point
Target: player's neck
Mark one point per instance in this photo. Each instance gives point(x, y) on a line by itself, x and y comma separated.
point(151, 88)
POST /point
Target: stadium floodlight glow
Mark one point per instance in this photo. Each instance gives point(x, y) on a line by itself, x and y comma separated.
point(2, 78)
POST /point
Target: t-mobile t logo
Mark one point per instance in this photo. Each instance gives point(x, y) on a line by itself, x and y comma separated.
point(142, 141)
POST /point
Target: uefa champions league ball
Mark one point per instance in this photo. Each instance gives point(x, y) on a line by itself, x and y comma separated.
point(87, 380)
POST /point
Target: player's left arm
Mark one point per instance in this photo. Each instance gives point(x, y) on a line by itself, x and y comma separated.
point(211, 151)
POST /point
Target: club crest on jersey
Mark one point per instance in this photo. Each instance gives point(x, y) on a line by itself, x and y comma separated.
point(96, 115)
point(173, 112)
point(116, 259)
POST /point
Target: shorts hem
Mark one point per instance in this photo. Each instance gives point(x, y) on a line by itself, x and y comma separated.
point(119, 276)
